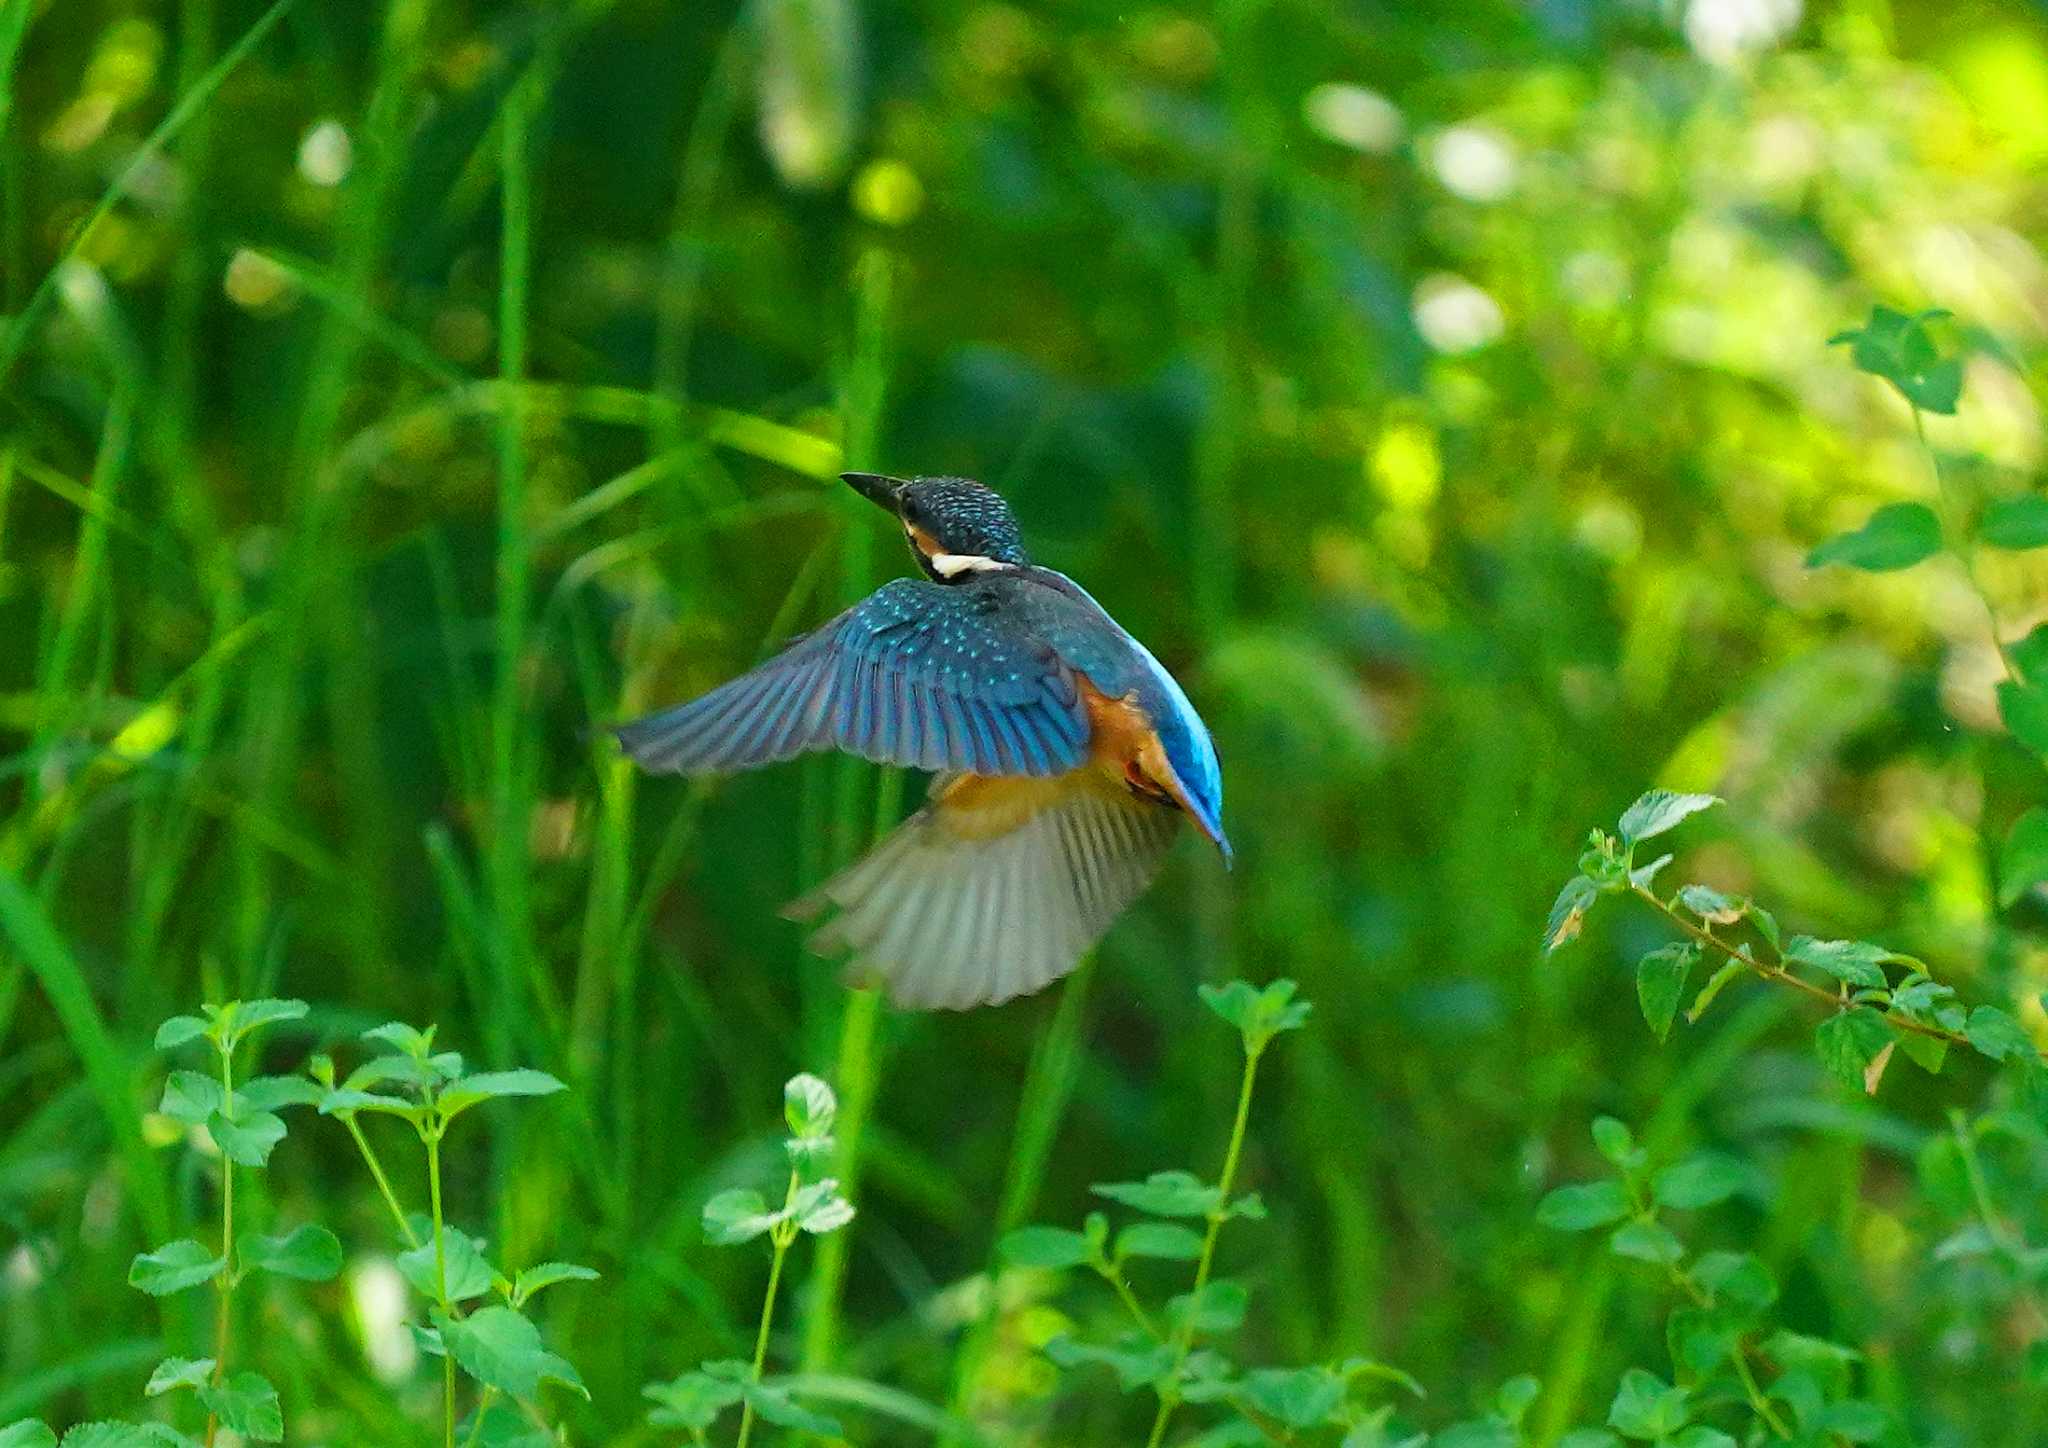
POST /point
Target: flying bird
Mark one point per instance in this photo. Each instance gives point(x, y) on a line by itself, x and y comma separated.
point(1064, 756)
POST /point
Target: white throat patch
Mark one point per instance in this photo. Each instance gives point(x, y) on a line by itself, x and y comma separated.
point(952, 565)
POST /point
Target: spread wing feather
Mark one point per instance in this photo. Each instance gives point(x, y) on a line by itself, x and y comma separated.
point(993, 892)
point(918, 674)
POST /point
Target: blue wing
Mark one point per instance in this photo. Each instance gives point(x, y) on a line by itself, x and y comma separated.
point(917, 674)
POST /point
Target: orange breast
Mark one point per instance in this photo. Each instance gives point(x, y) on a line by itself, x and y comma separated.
point(1122, 742)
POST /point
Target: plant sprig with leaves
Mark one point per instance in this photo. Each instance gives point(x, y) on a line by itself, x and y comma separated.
point(1161, 1351)
point(1726, 1352)
point(497, 1344)
point(1878, 1000)
point(811, 1203)
point(239, 1120)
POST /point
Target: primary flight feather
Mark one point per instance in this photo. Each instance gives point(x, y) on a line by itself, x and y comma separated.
point(1064, 756)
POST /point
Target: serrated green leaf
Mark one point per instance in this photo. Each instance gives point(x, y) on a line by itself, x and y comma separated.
point(546, 1274)
point(1849, 1041)
point(1660, 981)
point(491, 1085)
point(1166, 1241)
point(174, 1373)
point(174, 1267)
point(1054, 1248)
point(502, 1349)
point(469, 1270)
point(1661, 810)
point(1897, 535)
point(1857, 962)
point(809, 1107)
point(27, 1433)
point(269, 1093)
point(1710, 904)
point(245, 1018)
point(1568, 913)
point(344, 1101)
point(190, 1097)
point(820, 1208)
point(1163, 1194)
point(249, 1138)
point(178, 1030)
point(738, 1215)
point(1998, 1035)
point(403, 1038)
point(309, 1253)
point(1583, 1206)
point(247, 1404)
point(692, 1401)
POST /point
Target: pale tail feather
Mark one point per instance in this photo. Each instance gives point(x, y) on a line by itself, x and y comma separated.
point(947, 915)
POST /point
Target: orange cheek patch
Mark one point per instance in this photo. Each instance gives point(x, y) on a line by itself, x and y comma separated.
point(922, 541)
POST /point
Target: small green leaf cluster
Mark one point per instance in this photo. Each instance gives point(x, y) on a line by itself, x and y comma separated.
point(1879, 1000)
point(241, 1121)
point(1730, 1359)
point(813, 1203)
point(1900, 348)
point(496, 1344)
point(1173, 1352)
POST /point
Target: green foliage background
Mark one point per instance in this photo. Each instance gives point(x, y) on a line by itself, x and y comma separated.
point(1441, 389)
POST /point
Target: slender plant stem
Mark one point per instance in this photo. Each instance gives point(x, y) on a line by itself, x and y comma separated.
point(376, 1167)
point(1759, 1404)
point(1782, 975)
point(1184, 1331)
point(1961, 547)
point(1115, 1279)
point(433, 1139)
point(224, 1313)
point(781, 1237)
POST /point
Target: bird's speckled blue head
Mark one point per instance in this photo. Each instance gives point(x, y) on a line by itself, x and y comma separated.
point(946, 516)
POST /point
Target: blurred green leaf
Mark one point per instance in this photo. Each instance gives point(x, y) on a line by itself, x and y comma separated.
point(1646, 1242)
point(1898, 535)
point(174, 1373)
point(1163, 1240)
point(1583, 1206)
point(1701, 1180)
point(737, 1215)
point(1854, 961)
point(469, 1271)
point(2023, 858)
point(249, 1137)
point(310, 1253)
point(1899, 348)
point(1163, 1194)
point(491, 1085)
point(1648, 1407)
point(1050, 1247)
point(501, 1349)
point(2016, 523)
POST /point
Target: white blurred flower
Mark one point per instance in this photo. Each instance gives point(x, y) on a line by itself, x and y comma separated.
point(378, 1294)
point(1473, 161)
point(1454, 316)
point(1724, 31)
point(326, 153)
point(1353, 116)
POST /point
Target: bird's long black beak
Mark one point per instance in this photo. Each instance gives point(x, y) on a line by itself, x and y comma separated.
point(878, 488)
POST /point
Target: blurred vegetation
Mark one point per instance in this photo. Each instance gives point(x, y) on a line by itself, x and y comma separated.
point(389, 391)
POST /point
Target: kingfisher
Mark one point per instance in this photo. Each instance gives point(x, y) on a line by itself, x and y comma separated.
point(1064, 756)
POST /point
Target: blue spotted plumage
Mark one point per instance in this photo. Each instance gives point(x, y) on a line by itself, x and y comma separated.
point(1064, 755)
